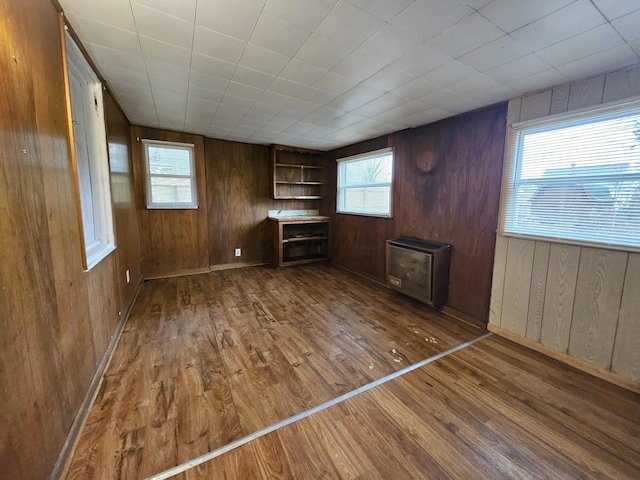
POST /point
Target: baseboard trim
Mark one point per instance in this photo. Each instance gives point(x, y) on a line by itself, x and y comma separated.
point(230, 266)
point(61, 467)
point(567, 359)
point(178, 273)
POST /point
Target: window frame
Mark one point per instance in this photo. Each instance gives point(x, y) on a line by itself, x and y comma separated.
point(92, 179)
point(150, 204)
point(340, 200)
point(513, 165)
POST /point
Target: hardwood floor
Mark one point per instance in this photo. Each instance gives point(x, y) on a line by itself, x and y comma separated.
point(207, 359)
point(491, 410)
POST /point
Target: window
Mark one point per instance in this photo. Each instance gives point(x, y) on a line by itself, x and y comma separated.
point(88, 136)
point(364, 183)
point(576, 178)
point(170, 171)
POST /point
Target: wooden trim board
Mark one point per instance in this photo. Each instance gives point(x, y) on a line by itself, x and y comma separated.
point(568, 360)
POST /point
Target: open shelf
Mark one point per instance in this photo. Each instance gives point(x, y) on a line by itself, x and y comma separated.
point(297, 174)
point(300, 240)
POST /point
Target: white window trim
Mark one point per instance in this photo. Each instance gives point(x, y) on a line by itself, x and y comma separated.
point(510, 163)
point(96, 249)
point(190, 147)
point(340, 181)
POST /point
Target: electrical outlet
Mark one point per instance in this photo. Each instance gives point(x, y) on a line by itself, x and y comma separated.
point(238, 252)
point(128, 276)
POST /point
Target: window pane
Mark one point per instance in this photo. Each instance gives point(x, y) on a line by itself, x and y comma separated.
point(168, 160)
point(371, 200)
point(368, 171)
point(578, 179)
point(171, 190)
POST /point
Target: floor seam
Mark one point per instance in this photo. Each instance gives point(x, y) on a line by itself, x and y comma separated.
point(307, 413)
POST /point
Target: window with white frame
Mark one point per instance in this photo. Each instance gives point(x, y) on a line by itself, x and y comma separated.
point(365, 183)
point(171, 178)
point(575, 178)
point(90, 156)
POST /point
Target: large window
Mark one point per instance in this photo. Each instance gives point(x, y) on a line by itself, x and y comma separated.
point(576, 178)
point(89, 156)
point(170, 172)
point(364, 183)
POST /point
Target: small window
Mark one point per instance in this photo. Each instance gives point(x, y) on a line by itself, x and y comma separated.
point(364, 183)
point(88, 135)
point(170, 172)
point(576, 178)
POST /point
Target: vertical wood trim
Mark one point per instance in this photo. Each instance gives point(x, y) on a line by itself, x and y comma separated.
point(538, 288)
point(622, 84)
point(536, 106)
point(562, 277)
point(497, 286)
point(626, 350)
point(586, 93)
point(597, 303)
point(517, 279)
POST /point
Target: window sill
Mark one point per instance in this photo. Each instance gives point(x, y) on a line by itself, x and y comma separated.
point(98, 256)
point(373, 215)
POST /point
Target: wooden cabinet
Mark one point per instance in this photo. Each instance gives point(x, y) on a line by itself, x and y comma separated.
point(297, 174)
point(299, 240)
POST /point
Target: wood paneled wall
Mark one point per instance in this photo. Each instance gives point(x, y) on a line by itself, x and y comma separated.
point(580, 301)
point(55, 319)
point(238, 200)
point(173, 241)
point(446, 188)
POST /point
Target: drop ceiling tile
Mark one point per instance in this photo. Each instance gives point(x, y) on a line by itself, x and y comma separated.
point(421, 60)
point(236, 19)
point(239, 103)
point(613, 9)
point(165, 52)
point(509, 15)
point(267, 108)
point(244, 91)
point(493, 95)
point(449, 73)
point(449, 101)
point(556, 26)
point(323, 115)
point(300, 128)
point(111, 58)
point(425, 19)
point(286, 87)
point(166, 71)
point(348, 25)
point(184, 9)
point(302, 72)
point(536, 81)
point(197, 108)
point(335, 83)
point(356, 97)
point(357, 67)
point(583, 45)
point(345, 120)
point(168, 84)
point(161, 26)
point(414, 89)
point(321, 52)
point(316, 96)
point(615, 57)
point(319, 132)
point(498, 52)
point(477, 4)
point(306, 14)
point(217, 45)
point(388, 44)
point(388, 79)
point(212, 66)
point(128, 76)
point(263, 60)
point(199, 93)
point(278, 36)
point(131, 89)
point(382, 9)
point(114, 12)
point(474, 84)
point(628, 26)
point(97, 33)
point(197, 79)
point(519, 68)
point(401, 113)
point(426, 117)
point(388, 101)
point(465, 36)
point(252, 77)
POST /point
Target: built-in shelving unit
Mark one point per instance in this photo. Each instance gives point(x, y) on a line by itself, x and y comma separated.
point(301, 239)
point(297, 174)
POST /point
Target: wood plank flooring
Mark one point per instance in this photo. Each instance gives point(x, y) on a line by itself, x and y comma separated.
point(492, 410)
point(207, 359)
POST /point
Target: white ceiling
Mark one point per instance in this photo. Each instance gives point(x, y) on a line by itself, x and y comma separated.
point(327, 73)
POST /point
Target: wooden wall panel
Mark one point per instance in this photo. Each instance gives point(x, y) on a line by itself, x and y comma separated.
point(626, 352)
point(52, 332)
point(172, 241)
point(590, 294)
point(517, 283)
point(446, 188)
point(562, 276)
point(237, 179)
point(596, 305)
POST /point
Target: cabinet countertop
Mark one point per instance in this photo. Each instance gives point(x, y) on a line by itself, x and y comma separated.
point(301, 218)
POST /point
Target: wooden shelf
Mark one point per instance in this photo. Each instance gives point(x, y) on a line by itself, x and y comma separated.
point(299, 240)
point(297, 174)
